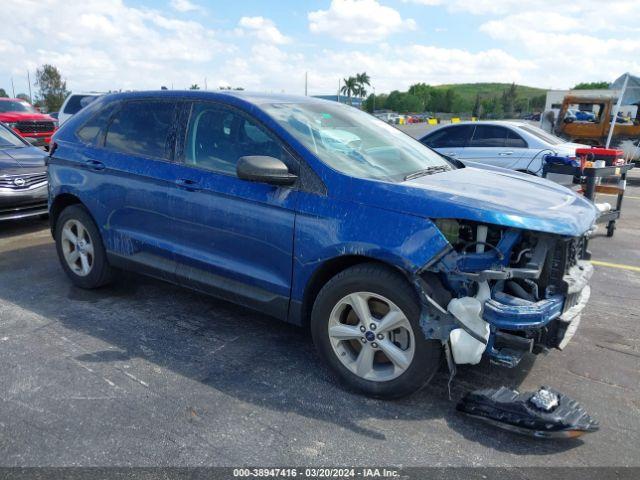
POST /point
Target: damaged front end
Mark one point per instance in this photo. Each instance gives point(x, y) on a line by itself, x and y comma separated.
point(502, 292)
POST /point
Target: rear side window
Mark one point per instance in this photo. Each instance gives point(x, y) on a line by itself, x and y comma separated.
point(451, 137)
point(489, 136)
point(143, 128)
point(93, 130)
point(76, 102)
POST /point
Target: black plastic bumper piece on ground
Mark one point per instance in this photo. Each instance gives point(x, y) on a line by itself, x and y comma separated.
point(560, 417)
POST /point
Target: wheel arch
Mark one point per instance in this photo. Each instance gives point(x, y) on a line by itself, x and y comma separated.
point(59, 203)
point(329, 269)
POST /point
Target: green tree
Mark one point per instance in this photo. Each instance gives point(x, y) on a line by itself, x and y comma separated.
point(349, 88)
point(194, 87)
point(375, 102)
point(509, 97)
point(362, 79)
point(3, 93)
point(423, 92)
point(53, 90)
point(592, 86)
point(24, 96)
point(477, 106)
point(538, 102)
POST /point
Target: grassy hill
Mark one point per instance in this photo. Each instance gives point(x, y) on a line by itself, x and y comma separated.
point(468, 91)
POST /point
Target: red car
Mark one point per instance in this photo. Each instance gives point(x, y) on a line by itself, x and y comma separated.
point(26, 121)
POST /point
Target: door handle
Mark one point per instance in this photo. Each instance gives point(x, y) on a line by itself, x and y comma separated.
point(504, 154)
point(94, 165)
point(187, 184)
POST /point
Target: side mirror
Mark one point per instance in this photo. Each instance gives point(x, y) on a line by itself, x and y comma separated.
point(259, 168)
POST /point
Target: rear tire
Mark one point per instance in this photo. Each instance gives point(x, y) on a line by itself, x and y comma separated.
point(80, 249)
point(373, 355)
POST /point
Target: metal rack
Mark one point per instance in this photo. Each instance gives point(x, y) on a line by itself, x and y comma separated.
point(591, 174)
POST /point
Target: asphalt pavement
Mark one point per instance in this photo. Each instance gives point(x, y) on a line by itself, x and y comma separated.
point(145, 373)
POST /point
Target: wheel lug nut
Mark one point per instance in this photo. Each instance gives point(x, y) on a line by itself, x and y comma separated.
point(362, 328)
point(380, 336)
point(364, 340)
point(372, 326)
point(374, 345)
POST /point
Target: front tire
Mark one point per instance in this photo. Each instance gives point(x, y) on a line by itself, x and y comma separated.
point(365, 325)
point(80, 249)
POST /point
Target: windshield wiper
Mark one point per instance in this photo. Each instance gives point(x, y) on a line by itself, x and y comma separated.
point(427, 171)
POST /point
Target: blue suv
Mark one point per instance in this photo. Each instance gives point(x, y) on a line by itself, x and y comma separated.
point(323, 216)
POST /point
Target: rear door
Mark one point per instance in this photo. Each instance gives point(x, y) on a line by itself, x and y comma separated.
point(236, 237)
point(450, 141)
point(495, 145)
point(132, 180)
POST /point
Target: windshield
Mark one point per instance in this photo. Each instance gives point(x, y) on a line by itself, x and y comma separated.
point(16, 106)
point(9, 139)
point(354, 142)
point(542, 135)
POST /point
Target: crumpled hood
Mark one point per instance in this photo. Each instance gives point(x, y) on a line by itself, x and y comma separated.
point(499, 196)
point(22, 157)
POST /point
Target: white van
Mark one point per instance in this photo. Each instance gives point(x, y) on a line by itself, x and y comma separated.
point(73, 103)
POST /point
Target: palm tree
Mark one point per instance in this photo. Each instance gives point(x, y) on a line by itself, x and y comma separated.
point(362, 79)
point(349, 88)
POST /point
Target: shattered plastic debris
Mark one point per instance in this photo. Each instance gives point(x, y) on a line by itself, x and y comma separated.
point(545, 413)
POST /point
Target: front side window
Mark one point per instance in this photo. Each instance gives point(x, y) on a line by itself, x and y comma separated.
point(218, 136)
point(489, 136)
point(353, 142)
point(142, 128)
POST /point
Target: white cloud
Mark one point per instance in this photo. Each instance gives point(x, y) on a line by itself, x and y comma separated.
point(184, 6)
point(358, 21)
point(264, 29)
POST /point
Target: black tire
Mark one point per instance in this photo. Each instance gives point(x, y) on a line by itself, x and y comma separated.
point(101, 272)
point(387, 282)
point(611, 228)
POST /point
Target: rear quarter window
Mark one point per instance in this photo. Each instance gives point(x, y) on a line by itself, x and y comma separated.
point(92, 132)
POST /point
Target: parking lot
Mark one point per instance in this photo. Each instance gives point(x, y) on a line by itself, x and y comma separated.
point(146, 373)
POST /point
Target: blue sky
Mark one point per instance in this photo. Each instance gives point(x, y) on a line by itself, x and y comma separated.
point(269, 45)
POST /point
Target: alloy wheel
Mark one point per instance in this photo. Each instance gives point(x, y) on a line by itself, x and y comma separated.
point(371, 336)
point(77, 247)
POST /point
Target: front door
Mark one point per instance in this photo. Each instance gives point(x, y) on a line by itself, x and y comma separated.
point(237, 236)
point(495, 145)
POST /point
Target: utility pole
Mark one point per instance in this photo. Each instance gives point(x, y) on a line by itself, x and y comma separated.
point(374, 99)
point(338, 96)
point(205, 83)
point(306, 79)
point(13, 90)
point(29, 82)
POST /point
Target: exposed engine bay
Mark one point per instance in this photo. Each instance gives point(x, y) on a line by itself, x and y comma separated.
point(503, 292)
